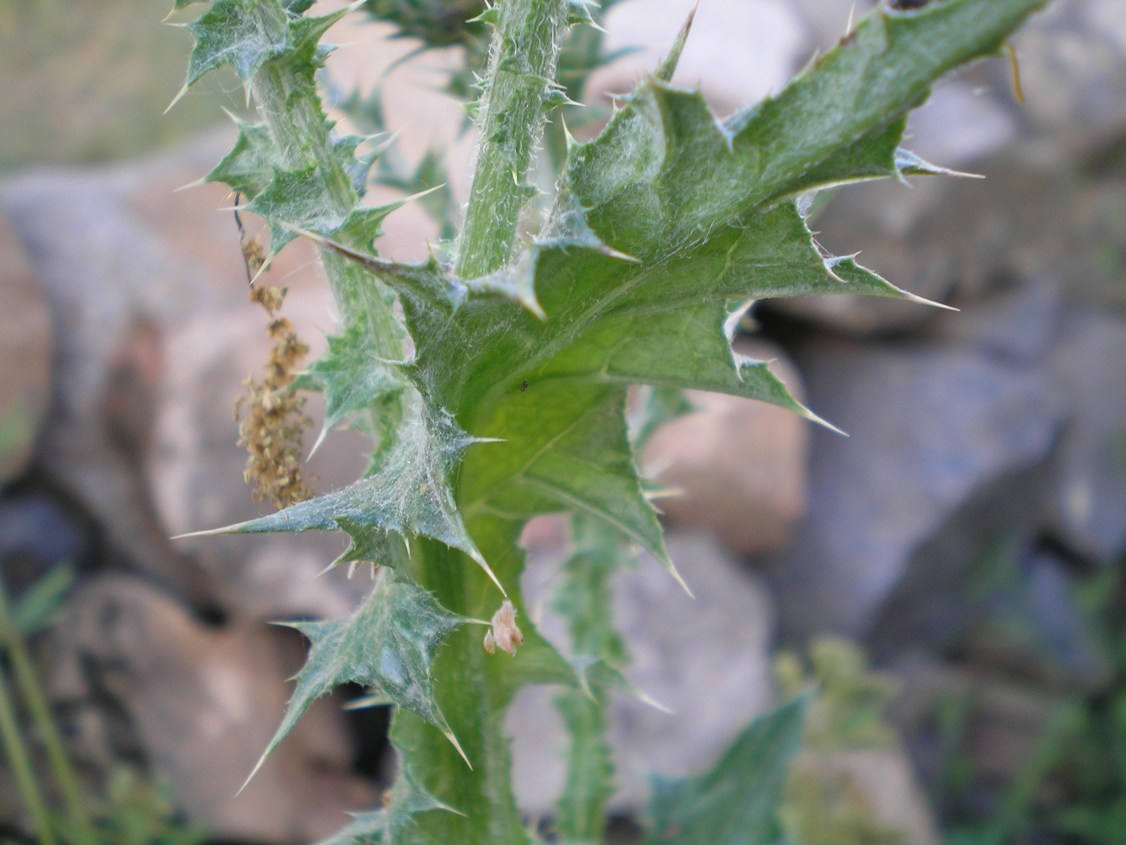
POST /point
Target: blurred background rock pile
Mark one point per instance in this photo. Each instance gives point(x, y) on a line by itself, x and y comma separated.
point(969, 537)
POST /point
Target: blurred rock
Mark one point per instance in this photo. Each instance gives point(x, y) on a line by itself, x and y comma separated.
point(827, 20)
point(962, 123)
point(115, 263)
point(143, 681)
point(707, 659)
point(932, 430)
point(998, 602)
point(147, 291)
point(26, 348)
point(1019, 324)
point(1073, 68)
point(1088, 512)
point(987, 726)
point(740, 465)
point(737, 53)
point(38, 531)
point(949, 240)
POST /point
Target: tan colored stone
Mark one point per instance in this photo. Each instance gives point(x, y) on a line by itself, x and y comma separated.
point(26, 348)
point(739, 466)
point(199, 705)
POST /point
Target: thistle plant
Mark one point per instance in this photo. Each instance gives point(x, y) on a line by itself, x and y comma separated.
point(500, 392)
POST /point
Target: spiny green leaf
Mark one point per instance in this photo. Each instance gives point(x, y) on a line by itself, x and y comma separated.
point(389, 643)
point(250, 165)
point(246, 34)
point(652, 408)
point(409, 494)
point(372, 545)
point(294, 198)
point(665, 145)
point(229, 34)
point(585, 466)
point(736, 803)
point(385, 826)
point(350, 375)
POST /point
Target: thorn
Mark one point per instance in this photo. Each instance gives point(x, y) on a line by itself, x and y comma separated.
point(567, 136)
point(317, 445)
point(209, 532)
point(667, 67)
point(479, 559)
point(197, 183)
point(253, 771)
point(1014, 66)
point(646, 698)
point(666, 561)
point(813, 418)
point(610, 252)
point(179, 94)
point(449, 734)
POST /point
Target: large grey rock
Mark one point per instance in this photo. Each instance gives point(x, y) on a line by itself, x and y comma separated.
point(142, 680)
point(115, 265)
point(1073, 66)
point(1088, 510)
point(26, 346)
point(932, 429)
point(948, 240)
point(707, 659)
point(737, 467)
point(997, 599)
point(1019, 324)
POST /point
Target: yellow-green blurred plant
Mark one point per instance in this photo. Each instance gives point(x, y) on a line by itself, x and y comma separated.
point(822, 803)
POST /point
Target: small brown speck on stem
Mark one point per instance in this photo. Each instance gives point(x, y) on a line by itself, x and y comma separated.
point(504, 634)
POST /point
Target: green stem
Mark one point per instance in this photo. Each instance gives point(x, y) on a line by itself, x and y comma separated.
point(293, 114)
point(44, 723)
point(585, 599)
point(291, 109)
point(20, 762)
point(519, 92)
point(474, 690)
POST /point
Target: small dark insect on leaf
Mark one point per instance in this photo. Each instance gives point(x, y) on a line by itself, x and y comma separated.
point(908, 4)
point(523, 385)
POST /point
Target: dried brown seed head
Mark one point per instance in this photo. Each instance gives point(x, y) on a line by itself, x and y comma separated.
point(504, 634)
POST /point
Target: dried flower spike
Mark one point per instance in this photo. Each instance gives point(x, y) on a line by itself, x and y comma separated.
point(275, 420)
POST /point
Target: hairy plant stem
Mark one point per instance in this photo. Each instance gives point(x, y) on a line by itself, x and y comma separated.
point(518, 94)
point(301, 135)
point(585, 599)
point(474, 690)
point(291, 109)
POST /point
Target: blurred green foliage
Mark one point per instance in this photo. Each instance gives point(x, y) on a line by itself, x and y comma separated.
point(88, 80)
point(823, 803)
point(1072, 787)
